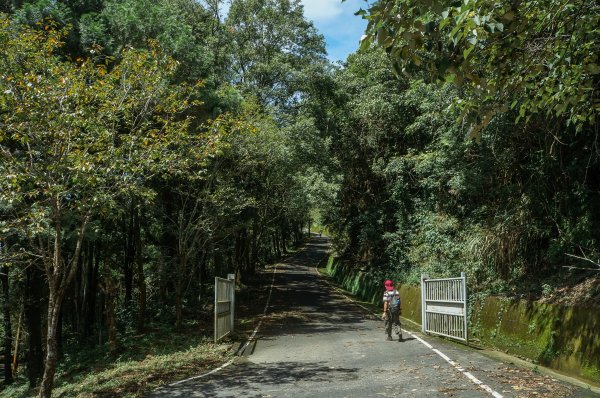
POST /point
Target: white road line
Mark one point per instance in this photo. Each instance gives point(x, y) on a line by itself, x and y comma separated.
point(457, 367)
point(226, 364)
point(241, 351)
point(426, 344)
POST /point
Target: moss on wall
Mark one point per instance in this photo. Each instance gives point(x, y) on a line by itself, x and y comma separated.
point(563, 338)
point(370, 289)
point(560, 337)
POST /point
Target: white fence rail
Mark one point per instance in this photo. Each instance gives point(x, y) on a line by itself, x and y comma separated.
point(444, 306)
point(224, 305)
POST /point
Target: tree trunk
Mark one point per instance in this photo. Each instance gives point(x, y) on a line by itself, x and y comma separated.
point(111, 322)
point(60, 274)
point(54, 302)
point(91, 293)
point(284, 238)
point(276, 245)
point(141, 278)
point(129, 255)
point(33, 320)
point(8, 377)
point(178, 307)
point(59, 335)
point(180, 280)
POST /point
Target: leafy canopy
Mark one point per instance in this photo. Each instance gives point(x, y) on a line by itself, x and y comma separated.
point(532, 56)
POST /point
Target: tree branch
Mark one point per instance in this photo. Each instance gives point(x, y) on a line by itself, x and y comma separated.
point(585, 259)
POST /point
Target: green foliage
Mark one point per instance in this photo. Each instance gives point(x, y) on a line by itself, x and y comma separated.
point(177, 25)
point(145, 363)
point(534, 57)
point(146, 147)
point(274, 49)
point(94, 133)
point(420, 196)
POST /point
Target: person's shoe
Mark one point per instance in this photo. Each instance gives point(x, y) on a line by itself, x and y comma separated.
point(389, 338)
point(400, 337)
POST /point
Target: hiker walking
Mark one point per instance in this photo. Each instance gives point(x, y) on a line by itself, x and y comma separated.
point(391, 310)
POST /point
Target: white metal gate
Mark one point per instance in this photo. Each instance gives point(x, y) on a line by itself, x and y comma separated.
point(444, 306)
point(224, 305)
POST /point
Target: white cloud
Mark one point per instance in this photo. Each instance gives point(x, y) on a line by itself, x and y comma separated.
point(322, 10)
point(337, 22)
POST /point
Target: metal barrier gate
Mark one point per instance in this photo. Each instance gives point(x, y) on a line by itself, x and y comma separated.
point(224, 305)
point(444, 306)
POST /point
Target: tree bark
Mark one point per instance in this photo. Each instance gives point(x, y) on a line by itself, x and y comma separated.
point(284, 238)
point(8, 377)
point(141, 278)
point(33, 320)
point(111, 322)
point(60, 274)
point(54, 302)
point(178, 308)
point(130, 255)
point(179, 282)
point(59, 334)
point(90, 293)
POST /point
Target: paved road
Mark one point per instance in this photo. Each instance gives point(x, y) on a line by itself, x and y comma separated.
point(314, 342)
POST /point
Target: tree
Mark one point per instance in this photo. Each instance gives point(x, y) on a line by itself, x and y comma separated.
point(7, 325)
point(273, 47)
point(75, 138)
point(531, 56)
point(371, 119)
point(418, 195)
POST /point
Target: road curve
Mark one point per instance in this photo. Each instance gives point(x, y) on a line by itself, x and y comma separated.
point(314, 342)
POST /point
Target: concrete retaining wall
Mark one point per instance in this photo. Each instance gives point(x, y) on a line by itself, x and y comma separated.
point(563, 338)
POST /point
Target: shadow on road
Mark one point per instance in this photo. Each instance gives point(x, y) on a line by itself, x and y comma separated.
point(303, 304)
point(254, 379)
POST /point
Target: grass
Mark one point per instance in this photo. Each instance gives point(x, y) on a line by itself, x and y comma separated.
point(145, 363)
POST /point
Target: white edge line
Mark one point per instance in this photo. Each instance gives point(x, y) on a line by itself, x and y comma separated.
point(456, 366)
point(226, 364)
point(426, 344)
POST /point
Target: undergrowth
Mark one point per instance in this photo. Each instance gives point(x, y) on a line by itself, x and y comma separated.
point(144, 363)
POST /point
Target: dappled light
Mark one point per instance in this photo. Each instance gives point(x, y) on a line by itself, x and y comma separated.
point(147, 147)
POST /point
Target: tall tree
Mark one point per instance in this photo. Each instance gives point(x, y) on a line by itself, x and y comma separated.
point(273, 47)
point(7, 324)
point(75, 138)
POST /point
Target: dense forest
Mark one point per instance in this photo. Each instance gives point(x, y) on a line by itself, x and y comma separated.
point(148, 146)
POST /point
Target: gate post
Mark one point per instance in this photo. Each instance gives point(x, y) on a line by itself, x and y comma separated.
point(464, 288)
point(231, 277)
point(423, 303)
point(216, 309)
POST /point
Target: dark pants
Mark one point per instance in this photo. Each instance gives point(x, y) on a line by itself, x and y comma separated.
point(392, 319)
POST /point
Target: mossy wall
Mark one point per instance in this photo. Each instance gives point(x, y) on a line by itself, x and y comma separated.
point(369, 288)
point(560, 337)
point(563, 338)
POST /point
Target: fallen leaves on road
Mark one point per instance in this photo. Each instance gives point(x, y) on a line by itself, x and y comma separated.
point(526, 383)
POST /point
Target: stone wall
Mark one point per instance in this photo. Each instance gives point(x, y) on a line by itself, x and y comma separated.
point(563, 338)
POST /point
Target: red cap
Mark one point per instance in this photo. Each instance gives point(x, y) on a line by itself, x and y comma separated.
point(389, 285)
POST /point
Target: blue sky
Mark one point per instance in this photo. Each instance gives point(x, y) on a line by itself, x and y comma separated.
point(336, 21)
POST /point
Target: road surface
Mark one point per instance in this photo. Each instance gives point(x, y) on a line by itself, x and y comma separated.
point(314, 342)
